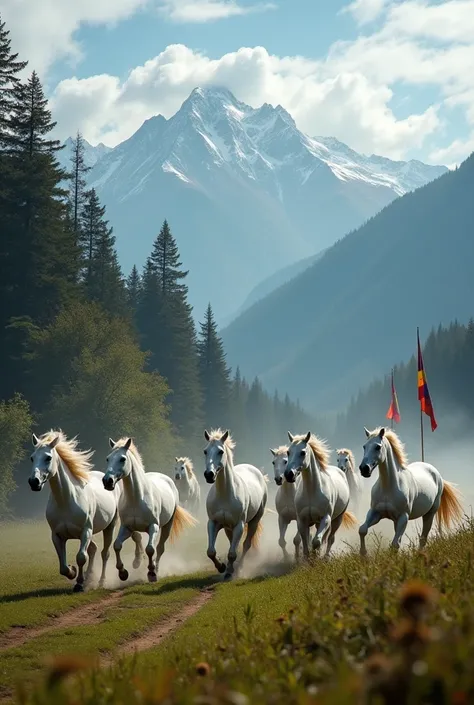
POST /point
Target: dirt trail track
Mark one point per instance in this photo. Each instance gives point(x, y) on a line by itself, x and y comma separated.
point(91, 613)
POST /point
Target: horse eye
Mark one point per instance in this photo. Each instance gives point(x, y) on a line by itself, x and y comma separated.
point(302, 453)
point(205, 451)
point(286, 460)
point(221, 452)
point(122, 459)
point(31, 458)
point(273, 462)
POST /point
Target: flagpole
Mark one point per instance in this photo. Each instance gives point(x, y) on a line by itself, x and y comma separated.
point(421, 412)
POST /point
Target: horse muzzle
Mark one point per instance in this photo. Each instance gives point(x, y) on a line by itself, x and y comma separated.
point(290, 475)
point(35, 484)
point(279, 481)
point(109, 483)
point(365, 470)
point(210, 476)
point(177, 477)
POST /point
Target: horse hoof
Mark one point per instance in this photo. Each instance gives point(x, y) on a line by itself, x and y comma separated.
point(72, 572)
point(227, 577)
point(152, 577)
point(123, 574)
point(137, 563)
point(221, 568)
point(78, 587)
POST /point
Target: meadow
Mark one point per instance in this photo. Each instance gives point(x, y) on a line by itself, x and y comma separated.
point(391, 628)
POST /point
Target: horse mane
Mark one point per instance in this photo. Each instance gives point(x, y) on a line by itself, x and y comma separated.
point(319, 448)
point(133, 449)
point(188, 463)
point(77, 461)
point(281, 450)
point(396, 444)
point(229, 444)
point(350, 455)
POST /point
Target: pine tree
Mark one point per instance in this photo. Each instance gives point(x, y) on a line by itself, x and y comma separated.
point(172, 341)
point(10, 67)
point(79, 169)
point(147, 313)
point(103, 279)
point(214, 374)
point(133, 291)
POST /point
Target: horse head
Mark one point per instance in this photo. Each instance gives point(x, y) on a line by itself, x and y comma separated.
point(215, 453)
point(119, 464)
point(279, 462)
point(297, 456)
point(375, 452)
point(43, 466)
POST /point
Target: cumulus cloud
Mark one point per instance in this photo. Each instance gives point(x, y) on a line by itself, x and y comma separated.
point(208, 10)
point(365, 11)
point(346, 104)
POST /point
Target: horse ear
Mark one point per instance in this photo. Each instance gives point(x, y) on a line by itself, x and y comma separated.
point(225, 436)
point(272, 452)
point(34, 439)
point(207, 436)
point(290, 436)
point(128, 444)
point(176, 459)
point(307, 437)
point(54, 442)
point(382, 432)
point(367, 432)
point(111, 443)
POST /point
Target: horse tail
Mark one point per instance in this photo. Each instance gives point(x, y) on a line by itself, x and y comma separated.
point(256, 537)
point(181, 520)
point(348, 520)
point(450, 510)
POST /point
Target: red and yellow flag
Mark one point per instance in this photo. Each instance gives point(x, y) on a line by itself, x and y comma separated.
point(394, 410)
point(423, 393)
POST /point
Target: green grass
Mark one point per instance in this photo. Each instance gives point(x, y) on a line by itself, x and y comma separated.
point(310, 636)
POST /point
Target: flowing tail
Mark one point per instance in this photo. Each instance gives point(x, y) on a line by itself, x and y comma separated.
point(450, 510)
point(181, 520)
point(256, 537)
point(348, 520)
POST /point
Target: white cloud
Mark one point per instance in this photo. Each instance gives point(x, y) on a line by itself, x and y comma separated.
point(365, 11)
point(208, 10)
point(43, 30)
point(453, 154)
point(346, 104)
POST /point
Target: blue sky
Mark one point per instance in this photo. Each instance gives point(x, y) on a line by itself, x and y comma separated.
point(392, 77)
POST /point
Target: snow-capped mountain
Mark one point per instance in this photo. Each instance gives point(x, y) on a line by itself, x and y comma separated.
point(245, 192)
point(92, 153)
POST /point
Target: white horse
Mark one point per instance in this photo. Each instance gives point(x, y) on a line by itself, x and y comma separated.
point(345, 461)
point(403, 492)
point(148, 503)
point(284, 499)
point(322, 496)
point(187, 484)
point(236, 500)
point(78, 506)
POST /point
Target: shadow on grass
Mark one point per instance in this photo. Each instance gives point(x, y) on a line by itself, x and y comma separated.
point(42, 592)
point(193, 581)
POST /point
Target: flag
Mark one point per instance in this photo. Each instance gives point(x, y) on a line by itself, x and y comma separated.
point(423, 393)
point(394, 410)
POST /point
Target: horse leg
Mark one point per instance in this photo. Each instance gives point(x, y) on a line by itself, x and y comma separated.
point(153, 533)
point(321, 531)
point(234, 545)
point(335, 524)
point(164, 535)
point(91, 551)
point(137, 539)
point(283, 525)
point(59, 544)
point(123, 534)
point(297, 544)
point(213, 529)
point(400, 528)
point(108, 534)
point(428, 523)
point(81, 558)
point(371, 519)
point(303, 530)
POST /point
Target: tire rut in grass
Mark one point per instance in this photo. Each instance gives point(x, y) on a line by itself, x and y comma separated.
point(91, 613)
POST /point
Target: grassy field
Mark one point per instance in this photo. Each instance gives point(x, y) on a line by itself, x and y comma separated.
point(390, 629)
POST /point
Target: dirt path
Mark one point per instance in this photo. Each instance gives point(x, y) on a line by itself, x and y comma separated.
point(152, 637)
point(92, 613)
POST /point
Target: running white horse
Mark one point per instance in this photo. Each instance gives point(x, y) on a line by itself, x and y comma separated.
point(284, 499)
point(404, 491)
point(187, 483)
point(345, 461)
point(149, 503)
point(236, 500)
point(78, 506)
point(322, 496)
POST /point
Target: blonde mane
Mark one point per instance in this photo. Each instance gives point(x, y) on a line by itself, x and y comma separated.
point(133, 449)
point(229, 444)
point(350, 455)
point(281, 450)
point(188, 464)
point(319, 448)
point(77, 461)
point(396, 444)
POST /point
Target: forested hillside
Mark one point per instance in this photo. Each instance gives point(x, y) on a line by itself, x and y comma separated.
point(84, 349)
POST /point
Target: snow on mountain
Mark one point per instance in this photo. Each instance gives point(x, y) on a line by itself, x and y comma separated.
point(239, 181)
point(92, 154)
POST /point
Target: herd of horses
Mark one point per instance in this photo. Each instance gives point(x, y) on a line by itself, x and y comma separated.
point(84, 502)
